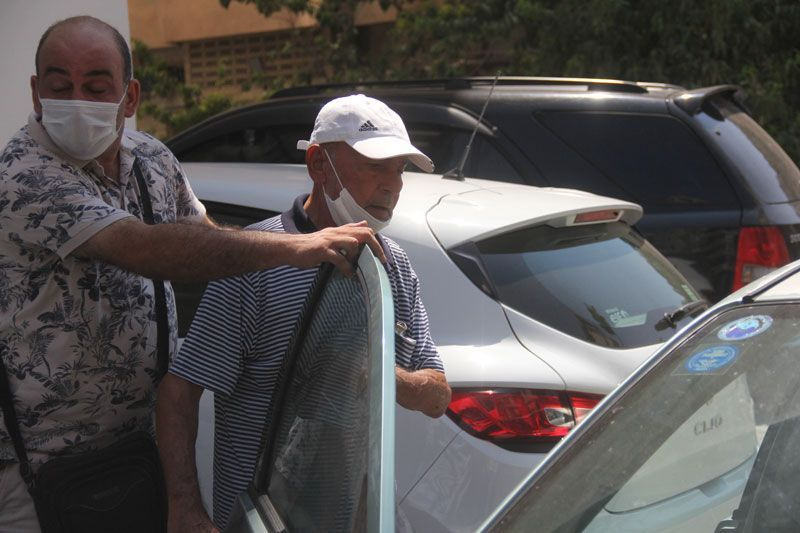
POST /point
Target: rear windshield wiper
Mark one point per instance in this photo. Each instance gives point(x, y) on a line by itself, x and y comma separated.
point(672, 318)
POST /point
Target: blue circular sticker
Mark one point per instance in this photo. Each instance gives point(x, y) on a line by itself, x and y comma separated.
point(744, 328)
point(711, 359)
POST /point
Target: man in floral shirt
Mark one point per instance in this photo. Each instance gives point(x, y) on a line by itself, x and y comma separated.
point(77, 314)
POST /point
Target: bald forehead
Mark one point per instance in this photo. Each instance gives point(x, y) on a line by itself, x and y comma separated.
point(86, 45)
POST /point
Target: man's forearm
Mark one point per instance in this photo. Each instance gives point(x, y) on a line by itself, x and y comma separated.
point(193, 252)
point(201, 252)
point(423, 390)
point(176, 433)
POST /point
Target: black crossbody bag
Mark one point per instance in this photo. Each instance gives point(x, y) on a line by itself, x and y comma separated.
point(119, 488)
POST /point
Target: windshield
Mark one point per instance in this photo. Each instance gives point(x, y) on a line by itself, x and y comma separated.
point(708, 438)
point(768, 171)
point(602, 283)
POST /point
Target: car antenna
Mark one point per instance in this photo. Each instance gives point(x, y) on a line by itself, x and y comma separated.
point(458, 173)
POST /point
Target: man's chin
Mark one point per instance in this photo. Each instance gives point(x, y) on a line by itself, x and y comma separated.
point(380, 213)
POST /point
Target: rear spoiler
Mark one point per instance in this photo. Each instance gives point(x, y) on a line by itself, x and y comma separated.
point(692, 101)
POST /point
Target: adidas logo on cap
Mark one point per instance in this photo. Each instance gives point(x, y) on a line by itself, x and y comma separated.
point(368, 126)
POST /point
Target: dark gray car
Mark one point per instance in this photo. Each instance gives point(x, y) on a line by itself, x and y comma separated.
point(721, 198)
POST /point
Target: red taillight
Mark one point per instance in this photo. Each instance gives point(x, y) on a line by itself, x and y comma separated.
point(529, 415)
point(761, 249)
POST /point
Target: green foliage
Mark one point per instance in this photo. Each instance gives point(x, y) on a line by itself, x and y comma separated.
point(200, 110)
point(336, 39)
point(167, 99)
point(152, 73)
point(751, 43)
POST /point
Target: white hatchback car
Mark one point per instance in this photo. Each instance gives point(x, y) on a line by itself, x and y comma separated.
point(541, 301)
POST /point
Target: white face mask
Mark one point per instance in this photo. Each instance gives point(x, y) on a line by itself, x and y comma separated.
point(82, 129)
point(345, 210)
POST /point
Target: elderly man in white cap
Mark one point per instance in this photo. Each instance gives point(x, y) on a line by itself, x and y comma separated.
point(355, 156)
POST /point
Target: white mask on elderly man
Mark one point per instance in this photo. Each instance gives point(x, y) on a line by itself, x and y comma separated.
point(80, 128)
point(345, 210)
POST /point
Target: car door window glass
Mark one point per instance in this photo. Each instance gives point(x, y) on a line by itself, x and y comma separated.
point(333, 420)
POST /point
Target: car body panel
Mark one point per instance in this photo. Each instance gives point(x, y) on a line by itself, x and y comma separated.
point(464, 485)
point(567, 356)
point(208, 180)
point(509, 365)
point(419, 447)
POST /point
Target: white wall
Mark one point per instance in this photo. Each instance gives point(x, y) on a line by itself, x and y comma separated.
point(22, 22)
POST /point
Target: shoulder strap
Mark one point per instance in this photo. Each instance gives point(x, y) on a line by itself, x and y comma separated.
point(12, 424)
point(162, 323)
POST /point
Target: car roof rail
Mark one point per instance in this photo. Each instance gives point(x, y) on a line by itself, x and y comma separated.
point(460, 83)
point(691, 101)
point(750, 297)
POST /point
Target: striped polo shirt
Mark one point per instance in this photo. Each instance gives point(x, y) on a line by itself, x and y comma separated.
point(241, 333)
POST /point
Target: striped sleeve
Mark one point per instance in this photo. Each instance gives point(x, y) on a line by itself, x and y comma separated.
point(425, 353)
point(220, 336)
point(415, 349)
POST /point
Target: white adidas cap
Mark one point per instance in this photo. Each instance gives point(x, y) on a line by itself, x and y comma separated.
point(367, 125)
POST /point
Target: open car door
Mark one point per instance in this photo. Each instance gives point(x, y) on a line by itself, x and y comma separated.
point(327, 460)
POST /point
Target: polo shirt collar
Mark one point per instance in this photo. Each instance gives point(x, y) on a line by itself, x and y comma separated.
point(296, 220)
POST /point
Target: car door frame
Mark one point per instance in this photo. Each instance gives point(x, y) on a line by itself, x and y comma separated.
point(254, 510)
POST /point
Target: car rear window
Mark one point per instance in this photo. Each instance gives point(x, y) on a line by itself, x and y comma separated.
point(601, 283)
point(656, 159)
point(770, 173)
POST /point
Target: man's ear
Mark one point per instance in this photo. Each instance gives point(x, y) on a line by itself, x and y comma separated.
point(37, 104)
point(315, 162)
point(132, 95)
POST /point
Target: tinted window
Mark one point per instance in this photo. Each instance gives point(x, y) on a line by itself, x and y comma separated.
point(331, 418)
point(278, 144)
point(657, 160)
point(601, 283)
point(705, 441)
point(769, 172)
point(268, 144)
point(446, 146)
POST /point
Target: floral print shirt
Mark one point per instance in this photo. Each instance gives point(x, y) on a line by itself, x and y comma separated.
point(78, 336)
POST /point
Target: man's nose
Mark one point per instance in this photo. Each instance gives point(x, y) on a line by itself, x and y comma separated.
point(393, 181)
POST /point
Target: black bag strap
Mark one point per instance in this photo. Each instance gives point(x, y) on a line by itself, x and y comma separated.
point(162, 324)
point(12, 423)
